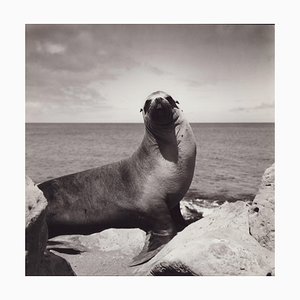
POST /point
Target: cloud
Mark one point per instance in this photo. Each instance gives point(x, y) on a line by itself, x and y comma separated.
point(155, 70)
point(264, 106)
point(90, 67)
point(50, 48)
point(63, 90)
point(67, 64)
point(192, 82)
point(261, 106)
point(65, 95)
point(75, 49)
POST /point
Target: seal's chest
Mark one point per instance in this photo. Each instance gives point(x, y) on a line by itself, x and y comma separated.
point(174, 174)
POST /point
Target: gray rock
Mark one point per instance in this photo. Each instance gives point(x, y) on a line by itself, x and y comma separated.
point(106, 253)
point(38, 260)
point(36, 234)
point(219, 244)
point(262, 211)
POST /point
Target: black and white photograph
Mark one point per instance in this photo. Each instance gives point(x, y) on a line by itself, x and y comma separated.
point(150, 149)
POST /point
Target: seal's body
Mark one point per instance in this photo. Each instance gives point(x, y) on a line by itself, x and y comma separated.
point(142, 191)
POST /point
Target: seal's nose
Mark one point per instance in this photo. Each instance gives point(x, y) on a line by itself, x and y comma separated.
point(158, 102)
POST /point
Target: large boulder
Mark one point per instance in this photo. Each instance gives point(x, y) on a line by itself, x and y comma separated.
point(262, 211)
point(36, 234)
point(219, 244)
point(39, 261)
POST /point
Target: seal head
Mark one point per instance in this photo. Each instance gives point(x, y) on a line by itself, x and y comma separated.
point(159, 109)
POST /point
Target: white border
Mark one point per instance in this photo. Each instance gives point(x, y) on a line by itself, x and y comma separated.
point(15, 14)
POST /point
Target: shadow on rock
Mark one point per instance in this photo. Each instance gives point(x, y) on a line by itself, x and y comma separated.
point(54, 265)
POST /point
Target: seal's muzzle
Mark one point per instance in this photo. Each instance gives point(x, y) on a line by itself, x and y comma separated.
point(159, 107)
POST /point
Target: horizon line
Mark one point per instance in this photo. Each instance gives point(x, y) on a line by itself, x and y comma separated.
point(273, 122)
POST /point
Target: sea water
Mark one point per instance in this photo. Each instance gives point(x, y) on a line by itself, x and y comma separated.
point(231, 157)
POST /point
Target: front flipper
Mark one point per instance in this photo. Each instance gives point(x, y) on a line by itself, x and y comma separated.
point(72, 246)
point(153, 244)
point(178, 219)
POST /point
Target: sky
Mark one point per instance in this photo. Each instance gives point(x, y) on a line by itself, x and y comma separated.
point(103, 73)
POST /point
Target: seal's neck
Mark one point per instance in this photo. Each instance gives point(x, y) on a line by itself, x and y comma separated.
point(162, 138)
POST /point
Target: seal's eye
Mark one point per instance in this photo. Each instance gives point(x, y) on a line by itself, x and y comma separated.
point(147, 105)
point(172, 102)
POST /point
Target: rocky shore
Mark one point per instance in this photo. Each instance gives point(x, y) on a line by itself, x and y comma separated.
point(232, 239)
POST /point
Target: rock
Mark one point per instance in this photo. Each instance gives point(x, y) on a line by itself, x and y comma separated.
point(190, 211)
point(106, 253)
point(219, 244)
point(36, 234)
point(262, 211)
point(39, 261)
point(54, 265)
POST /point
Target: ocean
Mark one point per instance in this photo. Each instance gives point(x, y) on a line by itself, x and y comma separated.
point(231, 157)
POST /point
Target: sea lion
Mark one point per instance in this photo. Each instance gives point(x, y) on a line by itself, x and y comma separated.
point(142, 191)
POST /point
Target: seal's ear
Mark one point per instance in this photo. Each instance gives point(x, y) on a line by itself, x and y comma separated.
point(141, 110)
